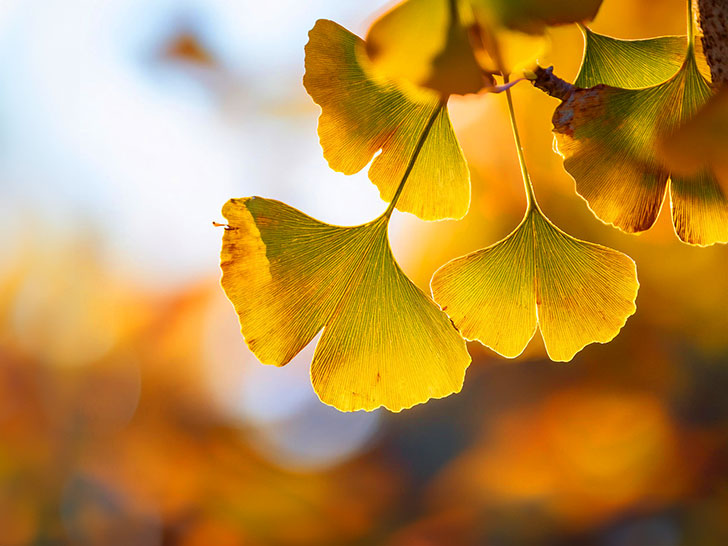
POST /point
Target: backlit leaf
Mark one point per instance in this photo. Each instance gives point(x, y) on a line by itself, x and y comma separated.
point(361, 114)
point(423, 42)
point(384, 342)
point(702, 141)
point(576, 292)
point(533, 16)
point(448, 45)
point(632, 63)
point(506, 51)
point(608, 137)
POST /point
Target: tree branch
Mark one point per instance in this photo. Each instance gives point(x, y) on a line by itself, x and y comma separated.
point(545, 80)
point(713, 21)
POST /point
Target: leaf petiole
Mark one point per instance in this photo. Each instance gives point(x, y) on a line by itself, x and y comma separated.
point(415, 154)
point(691, 28)
point(531, 203)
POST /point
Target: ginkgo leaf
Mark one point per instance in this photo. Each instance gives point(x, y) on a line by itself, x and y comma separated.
point(632, 64)
point(697, 150)
point(448, 45)
point(289, 276)
point(423, 42)
point(511, 34)
point(532, 16)
point(503, 51)
point(538, 276)
point(361, 114)
point(702, 141)
point(608, 137)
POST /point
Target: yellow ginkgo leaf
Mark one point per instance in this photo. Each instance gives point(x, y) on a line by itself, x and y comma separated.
point(511, 33)
point(701, 142)
point(384, 342)
point(424, 42)
point(505, 51)
point(576, 292)
point(609, 139)
point(533, 16)
point(362, 114)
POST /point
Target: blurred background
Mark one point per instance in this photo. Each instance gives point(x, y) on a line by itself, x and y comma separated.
point(131, 412)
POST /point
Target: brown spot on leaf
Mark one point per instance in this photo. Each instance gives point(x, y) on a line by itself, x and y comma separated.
point(581, 105)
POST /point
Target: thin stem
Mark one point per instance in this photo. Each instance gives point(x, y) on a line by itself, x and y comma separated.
point(530, 196)
point(415, 153)
point(454, 16)
point(691, 26)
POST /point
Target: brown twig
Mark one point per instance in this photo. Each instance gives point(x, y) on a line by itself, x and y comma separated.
point(713, 21)
point(545, 80)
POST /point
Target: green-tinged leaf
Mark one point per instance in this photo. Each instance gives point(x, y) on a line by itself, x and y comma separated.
point(423, 42)
point(632, 64)
point(702, 141)
point(361, 114)
point(576, 292)
point(609, 136)
point(384, 342)
point(532, 16)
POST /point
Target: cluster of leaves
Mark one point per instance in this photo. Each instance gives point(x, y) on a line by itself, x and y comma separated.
point(384, 341)
point(629, 95)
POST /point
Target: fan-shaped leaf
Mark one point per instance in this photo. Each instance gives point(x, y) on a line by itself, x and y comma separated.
point(361, 114)
point(384, 342)
point(608, 137)
point(430, 42)
point(632, 64)
point(576, 292)
point(505, 51)
point(702, 142)
point(423, 42)
point(533, 16)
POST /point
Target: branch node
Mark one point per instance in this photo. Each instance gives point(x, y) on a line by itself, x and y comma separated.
point(545, 80)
